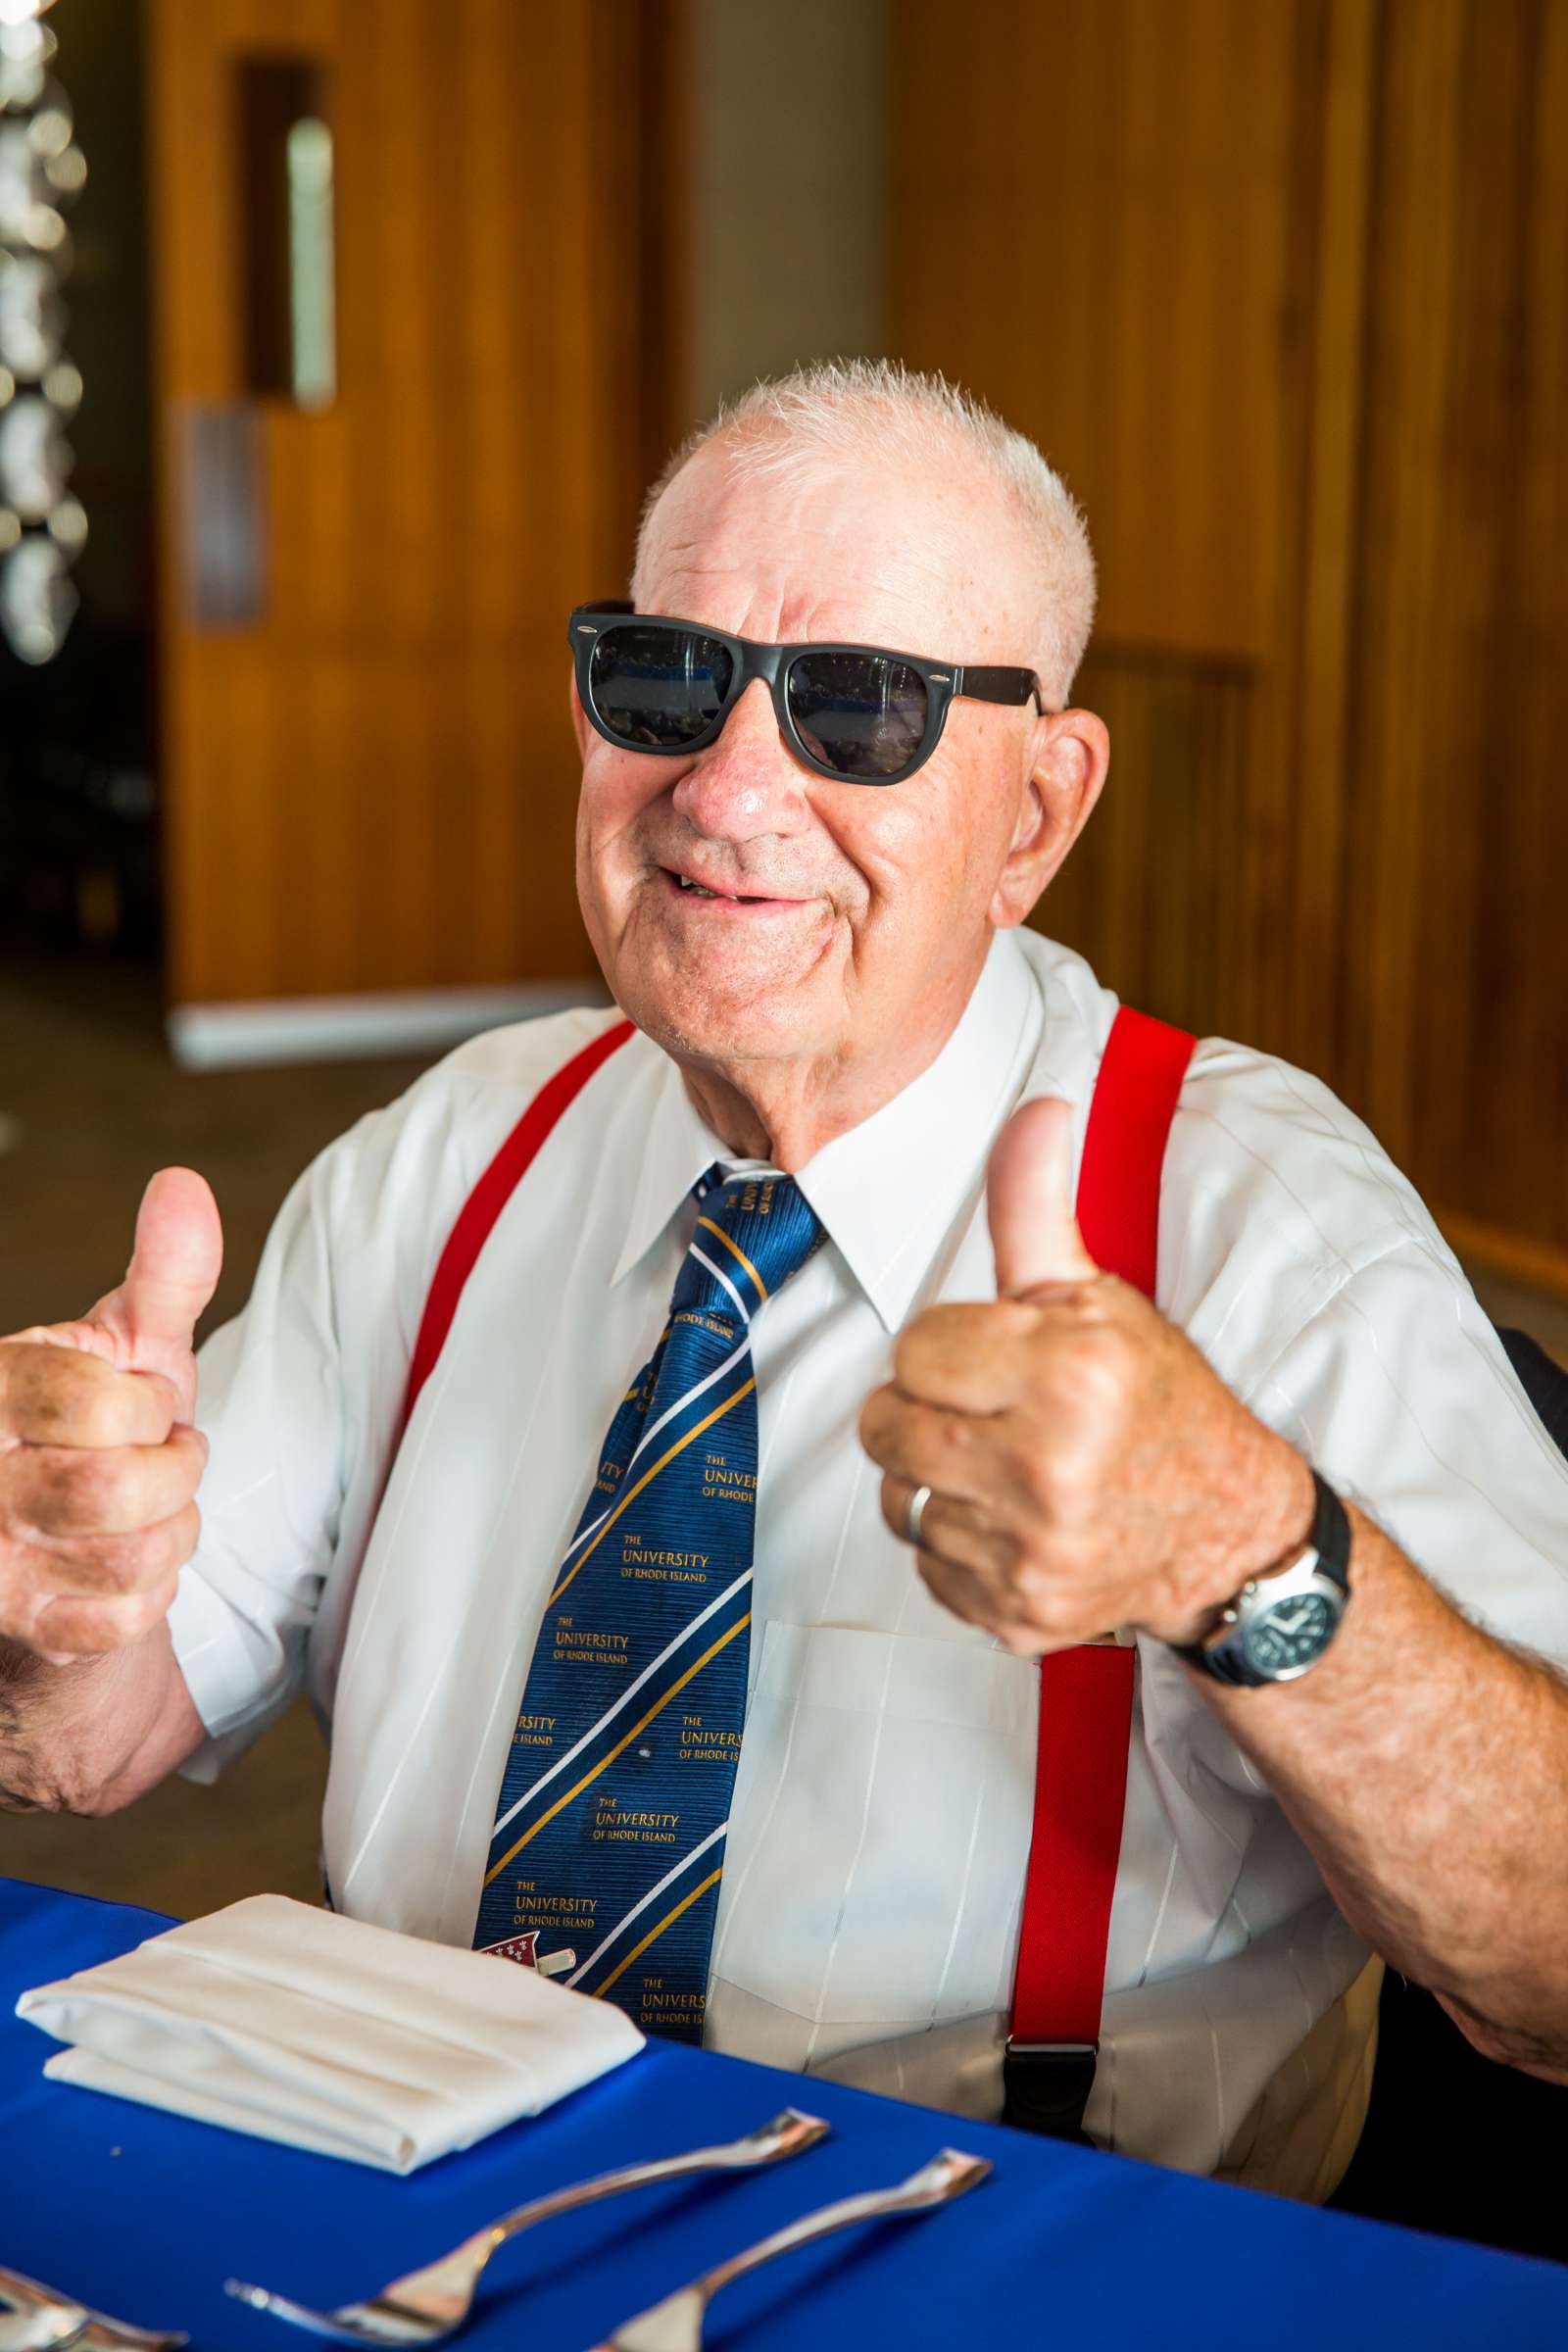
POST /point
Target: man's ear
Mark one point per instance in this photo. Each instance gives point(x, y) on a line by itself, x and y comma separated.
point(581, 726)
point(1057, 798)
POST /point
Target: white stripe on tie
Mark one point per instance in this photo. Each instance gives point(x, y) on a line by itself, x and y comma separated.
point(653, 1892)
point(610, 1714)
point(647, 1439)
point(702, 1259)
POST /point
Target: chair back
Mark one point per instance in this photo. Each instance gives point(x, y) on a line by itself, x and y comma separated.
point(1543, 1381)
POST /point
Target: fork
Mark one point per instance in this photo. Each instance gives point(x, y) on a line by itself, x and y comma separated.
point(676, 2324)
point(35, 2319)
point(32, 2318)
point(429, 2303)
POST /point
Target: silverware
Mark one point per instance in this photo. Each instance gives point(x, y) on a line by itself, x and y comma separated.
point(36, 2318)
point(429, 2303)
point(32, 2318)
point(676, 2324)
point(104, 2335)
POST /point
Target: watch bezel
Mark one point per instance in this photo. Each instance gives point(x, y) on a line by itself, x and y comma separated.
point(1258, 1601)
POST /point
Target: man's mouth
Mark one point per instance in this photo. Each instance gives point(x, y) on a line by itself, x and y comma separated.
point(688, 886)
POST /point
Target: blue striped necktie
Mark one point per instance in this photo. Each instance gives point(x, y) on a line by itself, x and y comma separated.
point(610, 1829)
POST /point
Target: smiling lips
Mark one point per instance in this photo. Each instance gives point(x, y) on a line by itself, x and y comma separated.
point(685, 886)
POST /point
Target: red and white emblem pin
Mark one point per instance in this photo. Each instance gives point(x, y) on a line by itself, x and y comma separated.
point(525, 1950)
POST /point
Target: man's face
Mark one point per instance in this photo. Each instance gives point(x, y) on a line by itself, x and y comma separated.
point(853, 919)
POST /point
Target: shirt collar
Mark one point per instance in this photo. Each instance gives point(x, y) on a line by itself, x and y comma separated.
point(675, 1148)
point(888, 1191)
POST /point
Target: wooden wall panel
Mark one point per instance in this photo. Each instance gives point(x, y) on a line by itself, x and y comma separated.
point(1182, 738)
point(374, 786)
point(1301, 907)
point(1456, 813)
point(1285, 293)
point(1097, 240)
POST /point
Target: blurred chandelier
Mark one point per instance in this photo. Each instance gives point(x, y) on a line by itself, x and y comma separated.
point(42, 526)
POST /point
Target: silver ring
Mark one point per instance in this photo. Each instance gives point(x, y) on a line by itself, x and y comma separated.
point(914, 1514)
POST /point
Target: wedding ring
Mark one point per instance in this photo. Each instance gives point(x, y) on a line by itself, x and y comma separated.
point(914, 1513)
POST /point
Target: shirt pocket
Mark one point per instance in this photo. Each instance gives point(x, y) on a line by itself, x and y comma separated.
point(880, 1831)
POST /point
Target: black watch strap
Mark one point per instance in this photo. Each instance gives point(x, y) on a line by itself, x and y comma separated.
point(1330, 1539)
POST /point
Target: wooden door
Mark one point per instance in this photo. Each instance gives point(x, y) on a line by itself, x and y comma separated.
point(367, 769)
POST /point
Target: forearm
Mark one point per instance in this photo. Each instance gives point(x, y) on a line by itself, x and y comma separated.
point(1426, 1766)
point(92, 1735)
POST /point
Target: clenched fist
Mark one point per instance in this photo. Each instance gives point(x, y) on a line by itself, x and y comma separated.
point(1088, 1468)
point(99, 1460)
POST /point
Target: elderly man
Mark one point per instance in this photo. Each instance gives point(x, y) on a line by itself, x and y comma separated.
point(661, 1271)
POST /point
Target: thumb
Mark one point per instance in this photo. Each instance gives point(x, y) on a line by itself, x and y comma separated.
point(1029, 1198)
point(174, 1265)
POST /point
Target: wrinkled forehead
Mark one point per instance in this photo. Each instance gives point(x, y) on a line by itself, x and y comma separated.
point(893, 553)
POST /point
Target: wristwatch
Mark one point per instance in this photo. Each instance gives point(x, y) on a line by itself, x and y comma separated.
point(1279, 1625)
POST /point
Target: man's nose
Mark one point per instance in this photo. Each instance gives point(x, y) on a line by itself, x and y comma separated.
point(746, 783)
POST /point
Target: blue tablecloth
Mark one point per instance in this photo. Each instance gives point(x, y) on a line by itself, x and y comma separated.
point(146, 2215)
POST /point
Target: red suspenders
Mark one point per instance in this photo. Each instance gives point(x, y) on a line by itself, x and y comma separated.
point(1085, 1694)
point(489, 1198)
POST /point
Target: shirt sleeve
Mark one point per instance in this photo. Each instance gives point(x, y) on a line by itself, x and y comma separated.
point(1400, 1391)
point(283, 1429)
point(1311, 1273)
point(301, 1396)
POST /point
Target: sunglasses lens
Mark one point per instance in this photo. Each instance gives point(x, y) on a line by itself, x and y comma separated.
point(658, 689)
point(862, 714)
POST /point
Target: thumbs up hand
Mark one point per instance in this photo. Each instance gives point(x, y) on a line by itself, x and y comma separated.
point(99, 1460)
point(1087, 1467)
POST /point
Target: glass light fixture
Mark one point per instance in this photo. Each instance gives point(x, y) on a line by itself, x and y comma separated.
point(42, 526)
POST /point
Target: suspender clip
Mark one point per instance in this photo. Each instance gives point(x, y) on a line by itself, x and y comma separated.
point(1046, 2086)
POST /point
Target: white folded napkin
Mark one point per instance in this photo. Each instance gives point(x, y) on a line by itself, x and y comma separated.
point(328, 2034)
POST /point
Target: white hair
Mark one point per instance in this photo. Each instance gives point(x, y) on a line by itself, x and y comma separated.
point(879, 409)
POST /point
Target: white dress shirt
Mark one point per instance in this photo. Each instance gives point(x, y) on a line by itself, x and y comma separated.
point(868, 1914)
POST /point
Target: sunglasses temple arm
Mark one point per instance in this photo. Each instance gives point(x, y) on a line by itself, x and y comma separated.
point(1014, 686)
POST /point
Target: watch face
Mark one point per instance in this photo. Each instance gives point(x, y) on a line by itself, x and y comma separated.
point(1290, 1636)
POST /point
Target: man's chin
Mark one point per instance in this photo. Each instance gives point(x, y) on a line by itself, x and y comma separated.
point(715, 1026)
point(763, 996)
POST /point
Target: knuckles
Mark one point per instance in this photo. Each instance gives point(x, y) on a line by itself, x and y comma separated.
point(1092, 1370)
point(55, 1394)
point(75, 1626)
point(943, 1342)
point(65, 1490)
point(875, 1423)
point(1047, 1605)
point(1087, 1352)
point(96, 1490)
point(136, 1564)
point(1061, 1484)
point(48, 1594)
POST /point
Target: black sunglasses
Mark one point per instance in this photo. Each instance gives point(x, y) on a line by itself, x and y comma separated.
point(849, 712)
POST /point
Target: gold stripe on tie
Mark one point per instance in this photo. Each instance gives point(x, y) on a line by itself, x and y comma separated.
point(605, 1762)
point(736, 1250)
point(653, 1934)
point(632, 1496)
